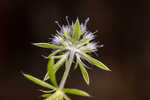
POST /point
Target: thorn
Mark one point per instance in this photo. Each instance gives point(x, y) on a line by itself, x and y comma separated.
point(67, 20)
point(58, 24)
point(44, 56)
point(86, 21)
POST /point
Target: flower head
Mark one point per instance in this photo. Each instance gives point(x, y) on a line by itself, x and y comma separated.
point(75, 39)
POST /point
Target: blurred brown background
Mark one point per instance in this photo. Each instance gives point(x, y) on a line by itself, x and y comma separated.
point(124, 28)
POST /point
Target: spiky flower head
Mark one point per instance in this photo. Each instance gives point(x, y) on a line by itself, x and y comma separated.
point(77, 39)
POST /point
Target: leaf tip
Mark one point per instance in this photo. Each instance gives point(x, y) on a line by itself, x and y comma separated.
point(25, 75)
point(21, 72)
point(88, 82)
point(107, 69)
point(89, 95)
point(35, 44)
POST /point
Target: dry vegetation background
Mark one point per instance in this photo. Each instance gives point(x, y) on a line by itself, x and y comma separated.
point(124, 28)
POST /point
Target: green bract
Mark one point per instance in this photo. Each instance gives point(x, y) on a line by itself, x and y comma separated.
point(71, 44)
point(76, 92)
point(51, 72)
point(39, 82)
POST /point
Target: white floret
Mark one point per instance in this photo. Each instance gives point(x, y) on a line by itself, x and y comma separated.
point(66, 39)
point(57, 39)
point(90, 36)
point(66, 29)
point(92, 46)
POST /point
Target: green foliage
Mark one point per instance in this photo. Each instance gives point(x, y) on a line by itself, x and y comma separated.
point(54, 53)
point(46, 95)
point(71, 44)
point(76, 30)
point(76, 66)
point(96, 62)
point(47, 45)
point(60, 63)
point(56, 66)
point(51, 72)
point(76, 92)
point(84, 73)
point(39, 82)
point(46, 77)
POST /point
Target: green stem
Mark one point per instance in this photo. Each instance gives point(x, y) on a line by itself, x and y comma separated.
point(68, 66)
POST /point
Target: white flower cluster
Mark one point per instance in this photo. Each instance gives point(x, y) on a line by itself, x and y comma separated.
point(65, 37)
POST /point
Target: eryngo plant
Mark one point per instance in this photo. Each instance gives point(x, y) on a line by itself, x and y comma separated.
point(71, 45)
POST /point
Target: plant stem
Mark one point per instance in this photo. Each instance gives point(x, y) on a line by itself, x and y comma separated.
point(67, 66)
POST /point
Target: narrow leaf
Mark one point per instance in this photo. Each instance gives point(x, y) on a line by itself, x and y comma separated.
point(76, 65)
point(54, 53)
point(59, 63)
point(47, 91)
point(46, 77)
point(46, 95)
point(47, 45)
point(39, 82)
point(84, 73)
point(56, 67)
point(96, 62)
point(51, 72)
point(76, 30)
point(76, 92)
